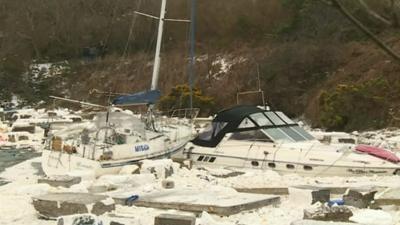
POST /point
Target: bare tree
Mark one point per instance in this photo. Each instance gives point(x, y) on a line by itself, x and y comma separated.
point(364, 29)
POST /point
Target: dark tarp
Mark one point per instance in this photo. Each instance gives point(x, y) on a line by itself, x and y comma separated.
point(141, 98)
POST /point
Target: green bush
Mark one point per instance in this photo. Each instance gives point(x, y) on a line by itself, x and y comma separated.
point(179, 97)
point(353, 106)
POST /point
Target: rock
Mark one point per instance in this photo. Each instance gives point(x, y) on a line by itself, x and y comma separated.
point(80, 219)
point(323, 195)
point(63, 181)
point(168, 184)
point(325, 213)
point(129, 169)
point(172, 219)
point(359, 198)
point(62, 204)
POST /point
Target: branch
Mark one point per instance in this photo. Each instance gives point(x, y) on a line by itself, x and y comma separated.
point(377, 41)
point(374, 14)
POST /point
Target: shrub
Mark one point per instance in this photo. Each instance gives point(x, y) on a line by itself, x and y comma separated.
point(179, 97)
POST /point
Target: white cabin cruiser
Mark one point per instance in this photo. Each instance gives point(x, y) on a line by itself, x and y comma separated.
point(248, 136)
point(105, 147)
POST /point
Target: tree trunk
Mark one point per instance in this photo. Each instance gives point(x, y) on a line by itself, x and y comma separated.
point(377, 41)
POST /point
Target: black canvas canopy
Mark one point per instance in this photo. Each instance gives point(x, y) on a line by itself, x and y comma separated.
point(237, 113)
point(247, 118)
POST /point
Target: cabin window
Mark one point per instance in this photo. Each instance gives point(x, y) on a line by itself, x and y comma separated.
point(293, 134)
point(207, 133)
point(347, 140)
point(200, 158)
point(252, 135)
point(218, 127)
point(302, 132)
point(290, 166)
point(206, 158)
point(271, 165)
point(246, 123)
point(254, 163)
point(23, 138)
point(307, 167)
point(212, 159)
point(326, 139)
point(285, 118)
point(212, 130)
point(11, 138)
point(277, 134)
point(76, 120)
point(274, 118)
point(260, 119)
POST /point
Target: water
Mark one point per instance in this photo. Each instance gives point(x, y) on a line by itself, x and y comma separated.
point(12, 157)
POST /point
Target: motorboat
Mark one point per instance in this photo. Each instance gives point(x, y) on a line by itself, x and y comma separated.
point(253, 137)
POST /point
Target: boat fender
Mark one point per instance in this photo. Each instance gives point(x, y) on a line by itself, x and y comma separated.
point(129, 201)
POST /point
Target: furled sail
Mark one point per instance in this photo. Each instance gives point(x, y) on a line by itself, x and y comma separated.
point(140, 98)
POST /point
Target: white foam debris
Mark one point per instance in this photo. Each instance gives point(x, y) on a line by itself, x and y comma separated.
point(17, 194)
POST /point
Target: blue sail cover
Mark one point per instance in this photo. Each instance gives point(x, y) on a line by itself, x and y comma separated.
point(140, 98)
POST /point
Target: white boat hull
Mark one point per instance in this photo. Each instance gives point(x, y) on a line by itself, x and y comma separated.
point(288, 161)
point(62, 163)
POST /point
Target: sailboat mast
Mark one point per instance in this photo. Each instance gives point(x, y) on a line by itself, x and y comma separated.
point(157, 58)
point(192, 50)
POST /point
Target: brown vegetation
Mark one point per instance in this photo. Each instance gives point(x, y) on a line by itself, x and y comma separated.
point(311, 59)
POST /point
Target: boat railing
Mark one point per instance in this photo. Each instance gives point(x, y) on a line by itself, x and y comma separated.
point(187, 113)
point(109, 139)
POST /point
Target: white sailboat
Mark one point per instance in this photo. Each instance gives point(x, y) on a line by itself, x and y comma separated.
point(248, 136)
point(118, 138)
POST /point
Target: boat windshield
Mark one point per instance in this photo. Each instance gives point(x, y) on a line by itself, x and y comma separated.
point(289, 133)
point(251, 135)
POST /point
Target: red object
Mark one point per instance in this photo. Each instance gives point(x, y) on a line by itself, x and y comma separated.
point(378, 152)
